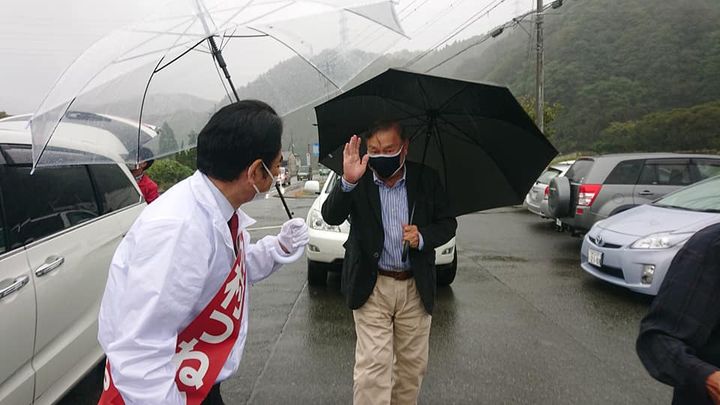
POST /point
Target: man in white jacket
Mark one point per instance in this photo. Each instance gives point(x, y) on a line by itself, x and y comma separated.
point(173, 319)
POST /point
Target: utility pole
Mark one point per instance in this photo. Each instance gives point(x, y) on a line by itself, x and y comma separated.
point(539, 80)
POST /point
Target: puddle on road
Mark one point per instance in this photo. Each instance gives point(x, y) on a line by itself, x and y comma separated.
point(498, 258)
point(565, 261)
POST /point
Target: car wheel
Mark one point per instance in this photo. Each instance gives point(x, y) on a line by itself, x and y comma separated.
point(559, 197)
point(446, 275)
point(317, 273)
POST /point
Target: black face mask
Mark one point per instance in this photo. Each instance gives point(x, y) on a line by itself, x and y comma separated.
point(385, 165)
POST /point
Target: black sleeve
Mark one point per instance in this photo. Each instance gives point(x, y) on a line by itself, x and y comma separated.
point(336, 207)
point(683, 315)
point(443, 225)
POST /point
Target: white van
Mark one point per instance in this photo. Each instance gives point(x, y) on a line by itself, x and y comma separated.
point(59, 229)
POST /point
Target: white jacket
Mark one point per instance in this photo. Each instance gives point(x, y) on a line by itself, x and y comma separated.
point(168, 267)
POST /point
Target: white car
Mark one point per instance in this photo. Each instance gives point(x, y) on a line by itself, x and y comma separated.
point(58, 231)
point(283, 177)
point(536, 199)
point(325, 252)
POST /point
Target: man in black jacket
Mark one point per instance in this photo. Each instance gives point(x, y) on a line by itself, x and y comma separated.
point(391, 298)
point(679, 340)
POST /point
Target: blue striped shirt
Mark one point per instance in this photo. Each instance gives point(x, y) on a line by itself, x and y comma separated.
point(394, 207)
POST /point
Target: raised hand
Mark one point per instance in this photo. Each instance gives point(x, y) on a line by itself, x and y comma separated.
point(353, 166)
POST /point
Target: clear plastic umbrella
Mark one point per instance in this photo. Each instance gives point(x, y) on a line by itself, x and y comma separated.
point(165, 76)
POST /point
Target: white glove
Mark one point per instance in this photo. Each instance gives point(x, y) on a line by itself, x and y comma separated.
point(294, 234)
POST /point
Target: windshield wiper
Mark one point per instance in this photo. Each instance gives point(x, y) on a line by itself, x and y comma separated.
point(713, 210)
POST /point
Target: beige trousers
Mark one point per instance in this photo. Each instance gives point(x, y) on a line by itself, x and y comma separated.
point(391, 354)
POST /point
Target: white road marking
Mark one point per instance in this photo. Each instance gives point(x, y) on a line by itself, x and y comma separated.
point(263, 228)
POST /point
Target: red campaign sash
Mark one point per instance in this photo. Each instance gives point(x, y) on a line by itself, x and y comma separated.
point(205, 345)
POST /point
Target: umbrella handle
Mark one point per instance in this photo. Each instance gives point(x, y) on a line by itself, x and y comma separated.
point(406, 244)
point(406, 250)
point(282, 198)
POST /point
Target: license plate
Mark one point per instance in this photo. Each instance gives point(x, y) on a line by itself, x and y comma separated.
point(558, 222)
point(595, 258)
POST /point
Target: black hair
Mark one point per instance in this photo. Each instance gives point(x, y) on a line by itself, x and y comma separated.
point(385, 125)
point(236, 136)
point(146, 156)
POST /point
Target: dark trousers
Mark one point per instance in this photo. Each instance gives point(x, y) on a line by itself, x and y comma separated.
point(214, 397)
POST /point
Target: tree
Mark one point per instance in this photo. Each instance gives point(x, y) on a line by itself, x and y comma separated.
point(3, 114)
point(167, 172)
point(550, 114)
point(167, 140)
point(187, 158)
point(694, 129)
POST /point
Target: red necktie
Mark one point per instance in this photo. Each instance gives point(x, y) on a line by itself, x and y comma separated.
point(233, 224)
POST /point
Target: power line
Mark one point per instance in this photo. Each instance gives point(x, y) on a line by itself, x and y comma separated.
point(482, 13)
point(510, 24)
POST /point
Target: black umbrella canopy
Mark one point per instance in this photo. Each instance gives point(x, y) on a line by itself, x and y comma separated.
point(484, 146)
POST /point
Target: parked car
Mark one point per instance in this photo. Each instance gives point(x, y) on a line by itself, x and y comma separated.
point(304, 173)
point(124, 130)
point(537, 197)
point(59, 229)
point(595, 188)
point(325, 252)
point(634, 249)
point(283, 177)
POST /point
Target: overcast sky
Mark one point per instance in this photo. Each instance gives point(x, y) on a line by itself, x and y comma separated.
point(39, 39)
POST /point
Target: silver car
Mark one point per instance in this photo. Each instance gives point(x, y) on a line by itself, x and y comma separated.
point(598, 187)
point(537, 198)
point(634, 248)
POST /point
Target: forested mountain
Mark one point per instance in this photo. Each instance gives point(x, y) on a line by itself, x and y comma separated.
point(606, 61)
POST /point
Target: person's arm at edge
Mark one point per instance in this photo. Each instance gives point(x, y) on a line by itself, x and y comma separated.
point(668, 336)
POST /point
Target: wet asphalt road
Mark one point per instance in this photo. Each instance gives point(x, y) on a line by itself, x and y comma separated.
point(521, 324)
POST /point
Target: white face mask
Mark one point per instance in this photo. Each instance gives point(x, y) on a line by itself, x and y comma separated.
point(261, 195)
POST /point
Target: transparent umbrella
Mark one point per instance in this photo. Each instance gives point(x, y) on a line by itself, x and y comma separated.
point(169, 73)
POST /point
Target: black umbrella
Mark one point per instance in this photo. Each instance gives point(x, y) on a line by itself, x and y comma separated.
point(486, 149)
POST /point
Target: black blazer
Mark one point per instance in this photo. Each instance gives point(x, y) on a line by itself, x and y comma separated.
point(365, 241)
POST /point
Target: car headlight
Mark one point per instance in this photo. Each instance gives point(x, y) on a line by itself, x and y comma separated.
point(661, 241)
point(315, 221)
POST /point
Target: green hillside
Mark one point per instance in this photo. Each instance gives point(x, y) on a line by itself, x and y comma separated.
point(607, 61)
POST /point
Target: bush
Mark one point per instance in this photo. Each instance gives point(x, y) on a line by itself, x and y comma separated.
point(693, 128)
point(167, 172)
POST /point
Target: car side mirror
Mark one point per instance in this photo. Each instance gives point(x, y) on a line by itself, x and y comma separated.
point(312, 186)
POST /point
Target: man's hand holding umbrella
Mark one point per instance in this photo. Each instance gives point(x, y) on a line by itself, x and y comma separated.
point(411, 235)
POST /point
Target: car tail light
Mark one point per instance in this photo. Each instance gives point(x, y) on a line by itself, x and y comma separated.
point(547, 192)
point(587, 194)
